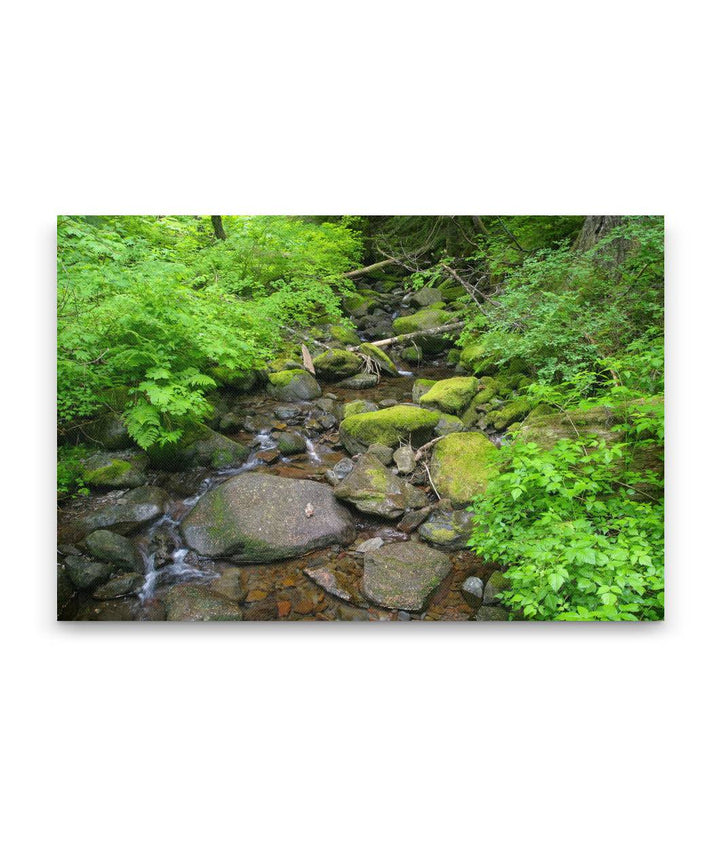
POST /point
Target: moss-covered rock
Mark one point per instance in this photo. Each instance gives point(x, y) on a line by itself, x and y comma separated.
point(108, 431)
point(426, 297)
point(359, 305)
point(515, 411)
point(412, 354)
point(389, 426)
point(344, 336)
point(496, 584)
point(384, 363)
point(420, 387)
point(114, 470)
point(130, 512)
point(426, 319)
point(199, 447)
point(335, 364)
point(546, 429)
point(451, 395)
point(360, 405)
point(286, 363)
point(448, 424)
point(373, 489)
point(477, 358)
point(237, 380)
point(364, 380)
point(293, 385)
point(447, 528)
point(462, 465)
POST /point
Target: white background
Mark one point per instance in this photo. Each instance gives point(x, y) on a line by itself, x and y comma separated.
point(346, 738)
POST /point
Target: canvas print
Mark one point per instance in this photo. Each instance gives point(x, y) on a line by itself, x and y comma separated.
point(360, 418)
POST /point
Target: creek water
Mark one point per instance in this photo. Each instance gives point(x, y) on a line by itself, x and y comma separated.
point(279, 590)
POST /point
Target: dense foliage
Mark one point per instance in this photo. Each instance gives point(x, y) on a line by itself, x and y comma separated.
point(151, 305)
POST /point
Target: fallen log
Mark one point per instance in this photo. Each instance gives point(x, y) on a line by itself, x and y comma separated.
point(370, 268)
point(405, 337)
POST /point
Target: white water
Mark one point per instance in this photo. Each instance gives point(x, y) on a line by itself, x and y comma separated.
point(312, 454)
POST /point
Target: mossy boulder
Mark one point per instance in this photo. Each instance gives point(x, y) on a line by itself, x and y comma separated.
point(373, 489)
point(120, 586)
point(496, 584)
point(114, 470)
point(448, 424)
point(255, 517)
point(336, 364)
point(546, 429)
point(286, 363)
point(128, 513)
point(364, 380)
point(383, 362)
point(420, 387)
point(426, 319)
point(389, 427)
point(358, 304)
point(360, 405)
point(412, 354)
point(515, 411)
point(84, 573)
point(448, 528)
point(426, 297)
point(115, 549)
point(479, 359)
point(293, 385)
point(199, 447)
point(237, 379)
point(462, 465)
point(343, 336)
point(451, 395)
point(108, 431)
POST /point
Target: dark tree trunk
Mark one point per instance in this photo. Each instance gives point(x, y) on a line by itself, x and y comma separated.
point(597, 227)
point(218, 227)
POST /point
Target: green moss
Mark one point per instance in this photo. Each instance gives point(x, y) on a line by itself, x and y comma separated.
point(338, 363)
point(113, 472)
point(388, 426)
point(412, 354)
point(420, 387)
point(514, 411)
point(356, 304)
point(462, 465)
point(432, 316)
point(352, 408)
point(343, 335)
point(452, 394)
point(448, 424)
point(283, 378)
point(385, 364)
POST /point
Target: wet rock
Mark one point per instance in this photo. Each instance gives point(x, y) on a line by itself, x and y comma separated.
point(341, 469)
point(447, 528)
point(491, 613)
point(387, 402)
point(290, 443)
point(86, 574)
point(257, 424)
point(129, 512)
point(257, 517)
point(115, 549)
point(384, 454)
point(497, 583)
point(188, 602)
point(264, 610)
point(327, 421)
point(119, 586)
point(403, 575)
point(65, 595)
point(231, 583)
point(336, 364)
point(293, 385)
point(327, 581)
point(364, 380)
point(451, 395)
point(343, 336)
point(432, 316)
point(373, 489)
point(412, 354)
point(389, 427)
point(404, 458)
point(472, 591)
point(412, 519)
point(288, 413)
point(269, 456)
point(115, 469)
point(327, 403)
point(462, 465)
point(370, 544)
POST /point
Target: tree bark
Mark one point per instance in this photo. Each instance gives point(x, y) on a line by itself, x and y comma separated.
point(597, 227)
point(217, 225)
point(370, 268)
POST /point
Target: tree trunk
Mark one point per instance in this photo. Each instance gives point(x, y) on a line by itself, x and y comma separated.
point(597, 227)
point(217, 225)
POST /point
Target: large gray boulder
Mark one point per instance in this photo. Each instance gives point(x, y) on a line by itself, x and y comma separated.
point(293, 385)
point(403, 575)
point(115, 469)
point(129, 512)
point(255, 517)
point(373, 489)
point(115, 549)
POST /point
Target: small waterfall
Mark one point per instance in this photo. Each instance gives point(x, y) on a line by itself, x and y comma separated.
point(404, 373)
point(312, 454)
